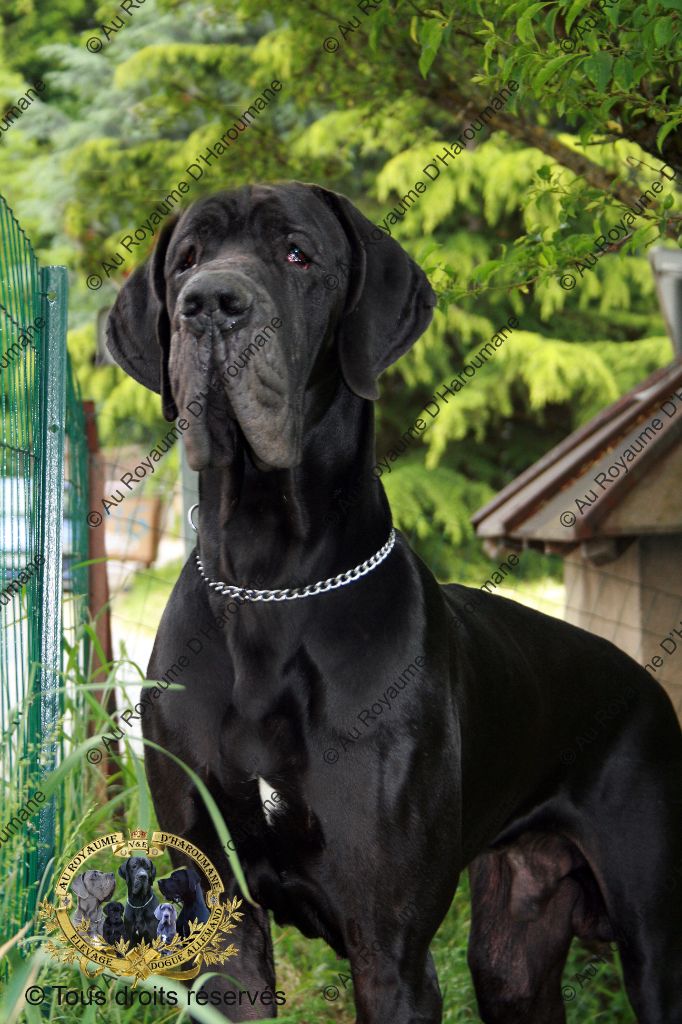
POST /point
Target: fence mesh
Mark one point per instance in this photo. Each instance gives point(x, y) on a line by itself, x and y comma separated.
point(21, 426)
point(35, 428)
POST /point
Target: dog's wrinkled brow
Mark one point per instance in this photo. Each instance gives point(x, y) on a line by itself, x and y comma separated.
point(206, 221)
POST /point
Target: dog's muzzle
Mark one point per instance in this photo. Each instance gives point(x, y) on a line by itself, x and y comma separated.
point(213, 299)
point(224, 376)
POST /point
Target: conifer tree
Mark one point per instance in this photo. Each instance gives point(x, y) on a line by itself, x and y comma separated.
point(531, 180)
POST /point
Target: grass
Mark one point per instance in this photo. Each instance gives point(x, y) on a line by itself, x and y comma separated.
point(305, 968)
point(148, 593)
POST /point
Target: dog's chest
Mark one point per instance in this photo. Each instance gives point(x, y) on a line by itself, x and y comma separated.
point(268, 714)
point(279, 847)
point(274, 708)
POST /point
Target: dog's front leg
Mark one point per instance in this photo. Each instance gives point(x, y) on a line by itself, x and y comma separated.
point(252, 997)
point(243, 988)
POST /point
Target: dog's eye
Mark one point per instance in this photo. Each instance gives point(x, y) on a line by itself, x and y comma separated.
point(188, 259)
point(296, 255)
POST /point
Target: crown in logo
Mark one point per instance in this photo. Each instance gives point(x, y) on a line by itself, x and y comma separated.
point(137, 845)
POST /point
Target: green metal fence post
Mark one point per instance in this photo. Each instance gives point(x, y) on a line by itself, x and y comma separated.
point(53, 371)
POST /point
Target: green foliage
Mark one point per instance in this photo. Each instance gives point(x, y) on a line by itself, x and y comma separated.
point(595, 117)
point(434, 508)
point(591, 64)
point(31, 24)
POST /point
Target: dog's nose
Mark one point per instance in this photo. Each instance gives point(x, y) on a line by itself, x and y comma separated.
point(214, 293)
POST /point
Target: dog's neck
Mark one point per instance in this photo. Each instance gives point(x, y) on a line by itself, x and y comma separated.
point(91, 907)
point(198, 897)
point(294, 527)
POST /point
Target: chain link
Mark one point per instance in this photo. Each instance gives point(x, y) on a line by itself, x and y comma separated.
point(293, 593)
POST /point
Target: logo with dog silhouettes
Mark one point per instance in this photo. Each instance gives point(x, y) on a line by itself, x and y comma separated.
point(137, 932)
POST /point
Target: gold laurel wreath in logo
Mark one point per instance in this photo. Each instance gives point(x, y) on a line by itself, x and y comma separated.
point(205, 943)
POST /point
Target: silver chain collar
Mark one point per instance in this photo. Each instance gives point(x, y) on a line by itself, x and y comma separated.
point(135, 907)
point(292, 593)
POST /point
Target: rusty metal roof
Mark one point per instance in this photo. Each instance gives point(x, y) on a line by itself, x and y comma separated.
point(537, 507)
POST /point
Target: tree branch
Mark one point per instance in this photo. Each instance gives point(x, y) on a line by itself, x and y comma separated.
point(542, 139)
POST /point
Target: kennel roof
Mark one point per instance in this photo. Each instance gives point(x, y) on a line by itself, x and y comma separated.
point(582, 475)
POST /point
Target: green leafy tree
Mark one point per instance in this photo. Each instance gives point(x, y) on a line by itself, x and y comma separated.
point(372, 95)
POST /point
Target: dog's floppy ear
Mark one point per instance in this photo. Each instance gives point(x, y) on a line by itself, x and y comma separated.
point(390, 301)
point(123, 870)
point(78, 886)
point(157, 912)
point(152, 868)
point(138, 328)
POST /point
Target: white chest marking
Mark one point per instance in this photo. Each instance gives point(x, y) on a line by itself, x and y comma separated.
point(270, 799)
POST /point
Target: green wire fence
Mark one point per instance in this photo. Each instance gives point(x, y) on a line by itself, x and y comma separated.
point(43, 493)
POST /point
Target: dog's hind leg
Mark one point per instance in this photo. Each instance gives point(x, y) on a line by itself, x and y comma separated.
point(637, 857)
point(525, 899)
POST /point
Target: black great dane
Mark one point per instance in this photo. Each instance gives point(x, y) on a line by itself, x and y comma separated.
point(469, 764)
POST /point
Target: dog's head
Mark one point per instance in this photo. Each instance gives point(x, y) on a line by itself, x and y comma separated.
point(139, 873)
point(166, 915)
point(113, 912)
point(244, 322)
point(95, 885)
point(180, 886)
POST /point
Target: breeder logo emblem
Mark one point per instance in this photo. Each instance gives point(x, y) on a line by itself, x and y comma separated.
point(135, 933)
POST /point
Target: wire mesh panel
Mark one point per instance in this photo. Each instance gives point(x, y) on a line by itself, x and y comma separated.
point(75, 528)
point(40, 416)
point(75, 662)
point(21, 425)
